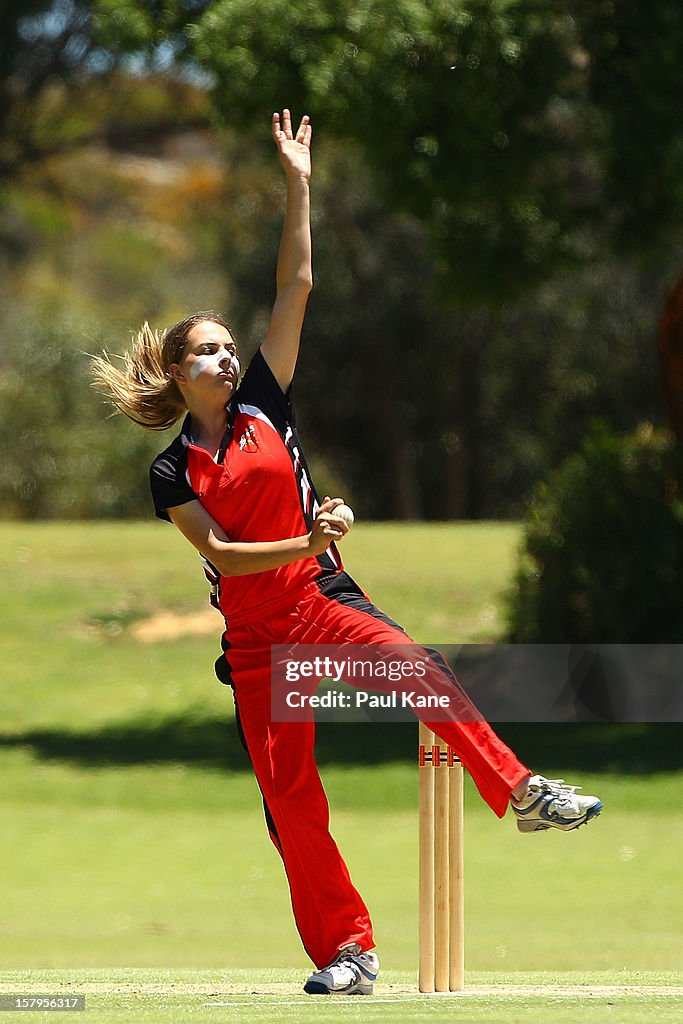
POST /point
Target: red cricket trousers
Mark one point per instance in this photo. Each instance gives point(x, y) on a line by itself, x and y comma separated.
point(328, 911)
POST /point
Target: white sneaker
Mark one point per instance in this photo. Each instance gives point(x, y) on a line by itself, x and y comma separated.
point(352, 972)
point(551, 804)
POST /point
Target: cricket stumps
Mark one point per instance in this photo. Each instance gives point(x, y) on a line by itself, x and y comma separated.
point(441, 889)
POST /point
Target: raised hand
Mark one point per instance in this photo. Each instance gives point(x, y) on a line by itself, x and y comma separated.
point(294, 150)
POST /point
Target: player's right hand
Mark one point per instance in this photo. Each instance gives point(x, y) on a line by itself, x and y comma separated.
point(327, 527)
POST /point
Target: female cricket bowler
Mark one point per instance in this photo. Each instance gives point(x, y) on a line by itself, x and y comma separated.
point(235, 483)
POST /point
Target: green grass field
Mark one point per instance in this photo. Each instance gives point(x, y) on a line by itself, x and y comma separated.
point(134, 864)
point(147, 997)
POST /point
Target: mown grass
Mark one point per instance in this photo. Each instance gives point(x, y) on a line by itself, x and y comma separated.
point(132, 832)
point(70, 592)
point(170, 866)
point(132, 996)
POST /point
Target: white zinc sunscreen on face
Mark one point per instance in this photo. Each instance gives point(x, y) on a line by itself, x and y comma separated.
point(213, 361)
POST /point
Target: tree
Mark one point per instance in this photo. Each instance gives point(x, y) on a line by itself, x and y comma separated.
point(480, 118)
point(458, 107)
point(44, 49)
point(633, 53)
point(463, 112)
point(464, 158)
point(62, 85)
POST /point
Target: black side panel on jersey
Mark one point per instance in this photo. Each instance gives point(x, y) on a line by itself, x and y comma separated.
point(168, 476)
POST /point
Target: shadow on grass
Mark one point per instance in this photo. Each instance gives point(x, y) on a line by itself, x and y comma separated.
point(214, 743)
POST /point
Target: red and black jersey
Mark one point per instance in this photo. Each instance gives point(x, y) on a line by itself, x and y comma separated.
point(259, 489)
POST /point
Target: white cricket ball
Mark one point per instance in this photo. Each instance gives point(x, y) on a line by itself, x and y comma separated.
point(345, 513)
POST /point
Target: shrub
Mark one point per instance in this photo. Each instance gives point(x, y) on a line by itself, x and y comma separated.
point(603, 548)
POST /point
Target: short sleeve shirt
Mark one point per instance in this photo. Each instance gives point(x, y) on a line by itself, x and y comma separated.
point(258, 488)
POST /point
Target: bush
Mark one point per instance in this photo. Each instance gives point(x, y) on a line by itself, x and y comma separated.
point(61, 454)
point(603, 549)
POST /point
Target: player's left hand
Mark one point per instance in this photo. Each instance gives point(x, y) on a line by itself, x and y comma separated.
point(294, 150)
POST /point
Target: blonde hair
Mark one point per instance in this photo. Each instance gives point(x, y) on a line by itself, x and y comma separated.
point(141, 387)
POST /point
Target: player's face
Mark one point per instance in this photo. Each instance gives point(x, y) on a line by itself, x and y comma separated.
point(210, 358)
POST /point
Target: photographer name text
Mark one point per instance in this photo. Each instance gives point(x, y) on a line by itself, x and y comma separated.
point(362, 699)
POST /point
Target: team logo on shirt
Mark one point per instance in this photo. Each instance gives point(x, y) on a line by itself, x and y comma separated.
point(248, 441)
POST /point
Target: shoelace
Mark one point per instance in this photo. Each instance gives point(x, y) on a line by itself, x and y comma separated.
point(350, 965)
point(557, 787)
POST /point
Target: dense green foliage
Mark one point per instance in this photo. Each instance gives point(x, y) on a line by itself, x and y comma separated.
point(449, 102)
point(634, 84)
point(444, 413)
point(603, 549)
point(496, 199)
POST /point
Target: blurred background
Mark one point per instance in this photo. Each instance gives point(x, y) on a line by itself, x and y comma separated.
point(495, 341)
point(498, 207)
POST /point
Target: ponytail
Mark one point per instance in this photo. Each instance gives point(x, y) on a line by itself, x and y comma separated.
point(141, 387)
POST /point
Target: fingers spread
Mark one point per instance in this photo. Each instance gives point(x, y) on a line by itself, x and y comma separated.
point(282, 128)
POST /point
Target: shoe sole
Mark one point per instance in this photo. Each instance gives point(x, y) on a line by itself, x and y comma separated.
point(316, 988)
point(542, 826)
